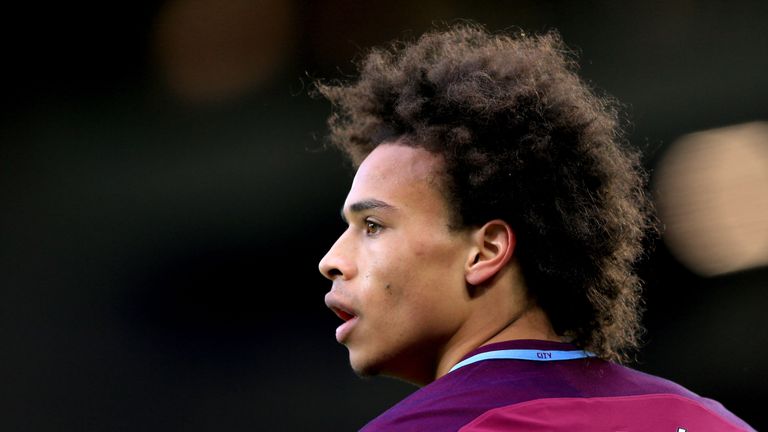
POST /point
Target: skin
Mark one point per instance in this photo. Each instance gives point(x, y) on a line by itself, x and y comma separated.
point(417, 295)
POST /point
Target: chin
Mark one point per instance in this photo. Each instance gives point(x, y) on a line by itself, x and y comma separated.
point(364, 368)
point(366, 372)
point(372, 369)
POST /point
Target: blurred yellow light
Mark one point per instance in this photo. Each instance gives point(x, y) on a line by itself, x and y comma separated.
point(712, 195)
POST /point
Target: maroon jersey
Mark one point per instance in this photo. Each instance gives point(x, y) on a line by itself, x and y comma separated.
point(527, 385)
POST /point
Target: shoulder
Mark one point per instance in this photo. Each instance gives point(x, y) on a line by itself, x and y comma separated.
point(648, 412)
point(446, 404)
point(500, 395)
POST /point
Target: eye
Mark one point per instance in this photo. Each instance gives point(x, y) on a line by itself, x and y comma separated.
point(372, 228)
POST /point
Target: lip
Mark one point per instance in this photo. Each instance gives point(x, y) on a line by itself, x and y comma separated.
point(343, 311)
point(343, 331)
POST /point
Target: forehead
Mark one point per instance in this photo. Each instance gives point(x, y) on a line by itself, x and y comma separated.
point(400, 161)
point(394, 172)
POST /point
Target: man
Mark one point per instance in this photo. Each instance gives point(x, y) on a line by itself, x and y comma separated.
point(494, 221)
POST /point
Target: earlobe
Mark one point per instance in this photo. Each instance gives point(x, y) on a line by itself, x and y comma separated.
point(494, 244)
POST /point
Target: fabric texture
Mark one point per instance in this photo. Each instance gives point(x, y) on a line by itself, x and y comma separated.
point(586, 394)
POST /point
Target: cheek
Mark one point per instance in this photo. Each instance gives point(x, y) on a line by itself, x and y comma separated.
point(383, 285)
point(410, 276)
point(388, 269)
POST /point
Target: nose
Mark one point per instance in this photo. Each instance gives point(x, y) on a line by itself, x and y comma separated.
point(337, 262)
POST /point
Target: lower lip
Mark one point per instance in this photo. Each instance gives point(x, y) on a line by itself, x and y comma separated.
point(342, 331)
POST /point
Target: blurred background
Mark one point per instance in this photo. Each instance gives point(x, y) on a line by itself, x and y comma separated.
point(165, 199)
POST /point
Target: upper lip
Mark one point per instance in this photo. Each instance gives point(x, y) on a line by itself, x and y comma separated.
point(340, 308)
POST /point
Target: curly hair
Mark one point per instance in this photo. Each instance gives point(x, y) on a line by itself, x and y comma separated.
point(524, 139)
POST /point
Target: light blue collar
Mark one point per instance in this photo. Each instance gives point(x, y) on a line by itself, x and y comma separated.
point(524, 354)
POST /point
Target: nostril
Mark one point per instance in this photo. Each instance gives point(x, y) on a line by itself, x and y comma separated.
point(334, 272)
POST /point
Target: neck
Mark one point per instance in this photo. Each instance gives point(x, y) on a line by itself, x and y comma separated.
point(530, 323)
point(502, 312)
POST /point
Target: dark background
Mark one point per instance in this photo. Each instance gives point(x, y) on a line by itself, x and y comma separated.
point(164, 201)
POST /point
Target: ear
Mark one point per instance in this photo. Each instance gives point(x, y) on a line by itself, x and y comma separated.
point(494, 244)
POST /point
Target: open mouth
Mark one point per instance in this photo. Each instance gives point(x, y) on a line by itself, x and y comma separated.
point(349, 317)
point(350, 320)
point(343, 314)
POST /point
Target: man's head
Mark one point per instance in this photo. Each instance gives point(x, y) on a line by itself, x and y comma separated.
point(508, 133)
point(401, 271)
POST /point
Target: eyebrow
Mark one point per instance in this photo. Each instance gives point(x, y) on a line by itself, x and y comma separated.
point(367, 205)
